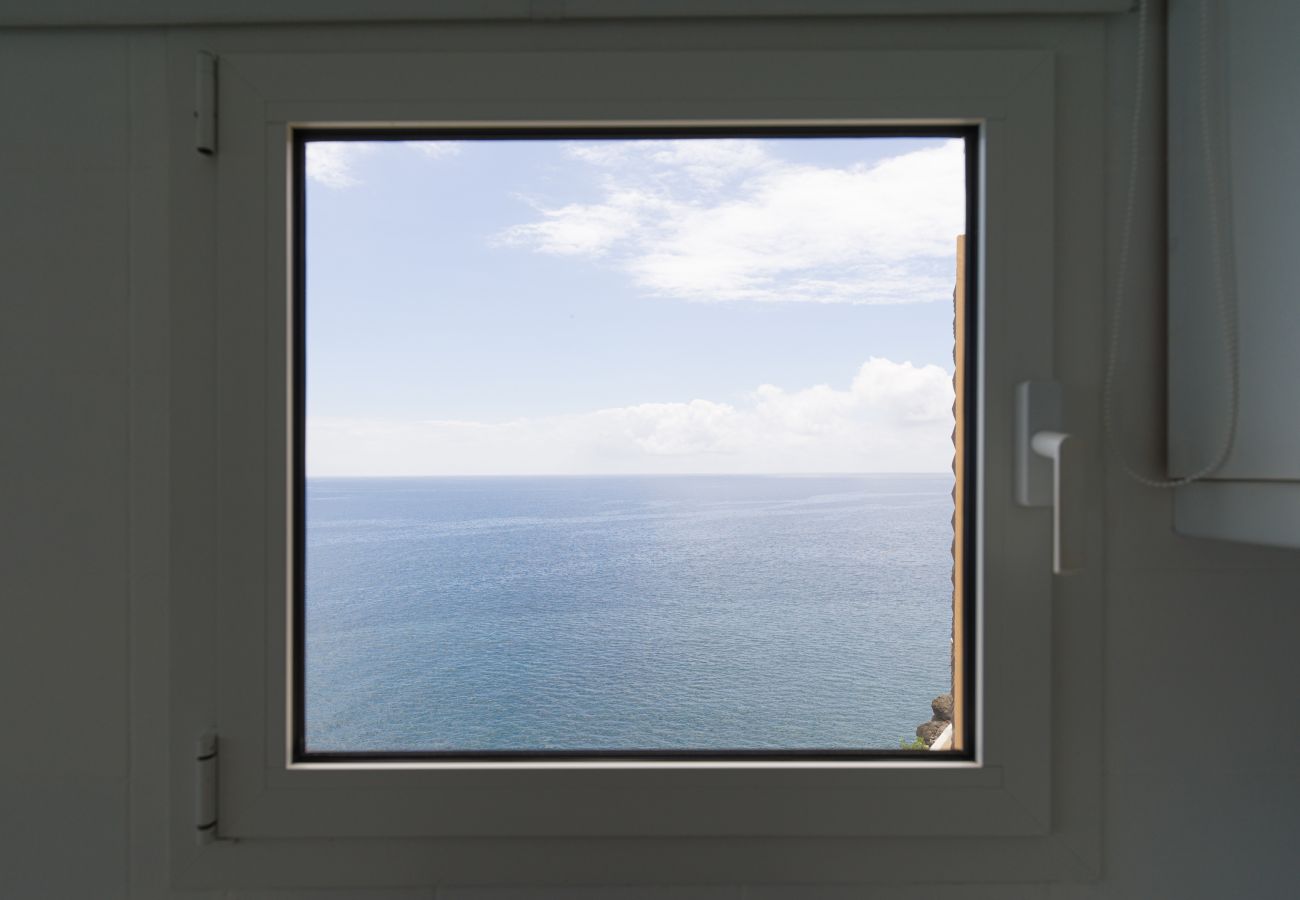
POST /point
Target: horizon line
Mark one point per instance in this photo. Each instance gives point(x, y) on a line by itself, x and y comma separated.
point(638, 474)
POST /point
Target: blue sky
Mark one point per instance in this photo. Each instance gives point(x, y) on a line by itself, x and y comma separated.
point(529, 307)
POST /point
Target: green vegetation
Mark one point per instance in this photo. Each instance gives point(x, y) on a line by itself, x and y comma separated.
point(916, 744)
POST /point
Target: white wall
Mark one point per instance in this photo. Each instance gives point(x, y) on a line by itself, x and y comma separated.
point(1202, 725)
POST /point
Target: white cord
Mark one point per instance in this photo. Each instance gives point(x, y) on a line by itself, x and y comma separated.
point(1218, 253)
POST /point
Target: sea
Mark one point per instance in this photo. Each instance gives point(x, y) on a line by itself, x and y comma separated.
point(625, 613)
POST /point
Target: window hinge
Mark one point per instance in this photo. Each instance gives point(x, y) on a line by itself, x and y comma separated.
point(205, 103)
point(205, 788)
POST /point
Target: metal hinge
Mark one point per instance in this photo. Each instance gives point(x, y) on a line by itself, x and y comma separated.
point(205, 103)
point(205, 788)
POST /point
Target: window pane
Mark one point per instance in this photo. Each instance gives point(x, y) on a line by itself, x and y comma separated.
point(629, 445)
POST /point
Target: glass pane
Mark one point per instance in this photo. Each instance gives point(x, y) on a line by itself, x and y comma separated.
point(630, 445)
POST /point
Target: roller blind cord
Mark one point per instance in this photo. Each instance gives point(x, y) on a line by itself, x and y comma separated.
point(1219, 251)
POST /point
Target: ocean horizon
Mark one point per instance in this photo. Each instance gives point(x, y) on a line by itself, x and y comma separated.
point(625, 612)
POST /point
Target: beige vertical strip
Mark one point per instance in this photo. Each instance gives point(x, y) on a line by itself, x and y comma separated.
point(959, 506)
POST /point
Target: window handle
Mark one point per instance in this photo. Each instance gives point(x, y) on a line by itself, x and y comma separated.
point(1049, 470)
point(1067, 498)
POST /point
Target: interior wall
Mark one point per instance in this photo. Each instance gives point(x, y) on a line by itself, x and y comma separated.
point(65, 577)
point(1201, 766)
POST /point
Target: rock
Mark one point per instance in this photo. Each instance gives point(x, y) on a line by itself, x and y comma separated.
point(942, 706)
point(930, 731)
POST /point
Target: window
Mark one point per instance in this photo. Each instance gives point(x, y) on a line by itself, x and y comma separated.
point(408, 821)
point(541, 513)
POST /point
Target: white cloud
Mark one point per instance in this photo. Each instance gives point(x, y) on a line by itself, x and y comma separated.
point(436, 149)
point(330, 163)
point(716, 221)
point(333, 163)
point(703, 162)
point(892, 417)
point(586, 229)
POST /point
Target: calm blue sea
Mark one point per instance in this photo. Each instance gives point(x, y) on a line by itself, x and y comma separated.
point(635, 613)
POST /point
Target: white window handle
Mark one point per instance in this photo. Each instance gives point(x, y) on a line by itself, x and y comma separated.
point(1049, 470)
point(1067, 497)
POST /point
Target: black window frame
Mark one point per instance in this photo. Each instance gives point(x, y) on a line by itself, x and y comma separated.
point(968, 415)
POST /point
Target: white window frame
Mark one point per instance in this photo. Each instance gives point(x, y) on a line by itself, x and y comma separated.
point(1033, 811)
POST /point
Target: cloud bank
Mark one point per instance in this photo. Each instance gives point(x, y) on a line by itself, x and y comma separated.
point(891, 417)
point(725, 220)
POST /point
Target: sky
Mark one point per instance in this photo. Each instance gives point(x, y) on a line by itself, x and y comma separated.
point(617, 306)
